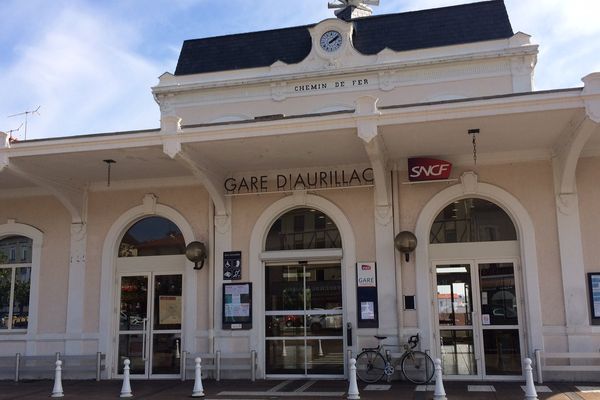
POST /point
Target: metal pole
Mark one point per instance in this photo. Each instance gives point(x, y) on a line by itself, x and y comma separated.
point(183, 365)
point(98, 366)
point(17, 366)
point(253, 361)
point(218, 367)
point(538, 366)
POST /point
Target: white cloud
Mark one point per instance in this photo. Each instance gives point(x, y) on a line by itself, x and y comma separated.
point(87, 78)
point(86, 68)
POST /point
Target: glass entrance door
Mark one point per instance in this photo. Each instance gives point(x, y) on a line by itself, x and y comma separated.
point(149, 332)
point(478, 319)
point(304, 320)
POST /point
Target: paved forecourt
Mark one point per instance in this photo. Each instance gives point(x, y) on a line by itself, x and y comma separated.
point(293, 389)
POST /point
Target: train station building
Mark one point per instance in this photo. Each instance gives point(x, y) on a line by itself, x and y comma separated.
point(366, 175)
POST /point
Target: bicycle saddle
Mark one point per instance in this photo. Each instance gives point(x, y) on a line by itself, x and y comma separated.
point(380, 337)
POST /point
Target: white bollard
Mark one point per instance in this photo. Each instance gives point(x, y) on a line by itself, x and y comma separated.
point(353, 387)
point(198, 390)
point(439, 393)
point(284, 352)
point(530, 393)
point(126, 388)
point(320, 349)
point(57, 391)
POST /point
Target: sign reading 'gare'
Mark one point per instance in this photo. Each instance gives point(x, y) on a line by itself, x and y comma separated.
point(428, 169)
point(299, 181)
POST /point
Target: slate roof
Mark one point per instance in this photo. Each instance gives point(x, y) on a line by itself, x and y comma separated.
point(467, 23)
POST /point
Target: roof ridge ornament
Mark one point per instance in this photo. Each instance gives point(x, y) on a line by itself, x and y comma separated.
point(349, 9)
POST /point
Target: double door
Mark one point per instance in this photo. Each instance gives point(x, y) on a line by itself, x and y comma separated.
point(479, 323)
point(304, 320)
point(149, 325)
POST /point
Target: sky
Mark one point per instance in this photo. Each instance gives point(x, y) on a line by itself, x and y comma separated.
point(90, 65)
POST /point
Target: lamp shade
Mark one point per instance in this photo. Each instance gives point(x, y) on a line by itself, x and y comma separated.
point(196, 253)
point(405, 242)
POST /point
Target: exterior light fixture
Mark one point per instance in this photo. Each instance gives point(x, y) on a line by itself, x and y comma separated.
point(406, 243)
point(196, 253)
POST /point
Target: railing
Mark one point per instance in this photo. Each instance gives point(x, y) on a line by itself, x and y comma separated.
point(541, 358)
point(219, 362)
point(44, 366)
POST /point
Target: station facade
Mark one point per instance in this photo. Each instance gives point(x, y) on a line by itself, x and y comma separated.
point(296, 157)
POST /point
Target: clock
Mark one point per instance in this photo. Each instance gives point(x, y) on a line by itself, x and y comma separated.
point(331, 41)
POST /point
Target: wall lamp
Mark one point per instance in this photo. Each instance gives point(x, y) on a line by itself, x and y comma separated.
point(196, 253)
point(406, 243)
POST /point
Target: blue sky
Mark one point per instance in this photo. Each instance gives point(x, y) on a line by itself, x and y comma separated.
point(90, 64)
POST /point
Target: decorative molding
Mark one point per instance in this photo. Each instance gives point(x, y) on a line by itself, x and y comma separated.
point(171, 146)
point(469, 181)
point(149, 203)
point(386, 81)
point(567, 203)
point(591, 94)
point(223, 224)
point(278, 91)
point(384, 214)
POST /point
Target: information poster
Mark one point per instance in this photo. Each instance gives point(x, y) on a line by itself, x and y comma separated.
point(237, 306)
point(366, 295)
point(367, 310)
point(594, 288)
point(169, 310)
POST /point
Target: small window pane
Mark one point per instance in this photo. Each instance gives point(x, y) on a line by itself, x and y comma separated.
point(153, 236)
point(472, 220)
point(302, 229)
point(15, 250)
point(5, 286)
point(21, 300)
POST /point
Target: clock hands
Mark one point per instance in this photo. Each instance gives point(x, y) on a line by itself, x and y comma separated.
point(336, 37)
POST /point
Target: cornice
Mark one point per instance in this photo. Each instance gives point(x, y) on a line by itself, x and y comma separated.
point(229, 82)
point(390, 115)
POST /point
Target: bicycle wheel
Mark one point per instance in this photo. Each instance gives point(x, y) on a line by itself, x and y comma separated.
point(370, 366)
point(417, 367)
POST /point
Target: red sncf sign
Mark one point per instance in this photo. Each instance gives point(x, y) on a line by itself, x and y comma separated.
point(428, 169)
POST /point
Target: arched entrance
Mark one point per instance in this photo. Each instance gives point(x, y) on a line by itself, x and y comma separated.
point(303, 298)
point(150, 267)
point(466, 270)
point(114, 267)
point(304, 286)
point(474, 253)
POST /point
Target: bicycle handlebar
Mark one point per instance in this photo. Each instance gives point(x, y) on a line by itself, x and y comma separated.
point(413, 341)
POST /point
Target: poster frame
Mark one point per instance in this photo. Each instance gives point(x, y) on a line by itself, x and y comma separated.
point(238, 323)
point(593, 309)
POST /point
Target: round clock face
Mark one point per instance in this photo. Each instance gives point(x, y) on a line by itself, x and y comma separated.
point(331, 41)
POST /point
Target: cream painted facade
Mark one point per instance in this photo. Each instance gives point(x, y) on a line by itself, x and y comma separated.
point(538, 157)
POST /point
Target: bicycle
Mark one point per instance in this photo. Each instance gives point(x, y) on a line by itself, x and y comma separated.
point(372, 364)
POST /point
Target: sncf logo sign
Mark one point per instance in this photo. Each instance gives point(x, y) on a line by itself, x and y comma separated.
point(366, 267)
point(428, 169)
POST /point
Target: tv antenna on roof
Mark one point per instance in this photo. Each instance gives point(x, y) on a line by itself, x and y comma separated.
point(10, 132)
point(26, 114)
point(360, 4)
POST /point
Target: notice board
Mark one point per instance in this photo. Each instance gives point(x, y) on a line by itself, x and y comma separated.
point(237, 305)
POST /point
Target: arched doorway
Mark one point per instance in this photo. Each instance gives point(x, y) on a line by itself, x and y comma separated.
point(304, 301)
point(478, 317)
point(149, 319)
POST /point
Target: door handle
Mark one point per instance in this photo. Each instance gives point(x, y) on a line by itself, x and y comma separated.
point(144, 338)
